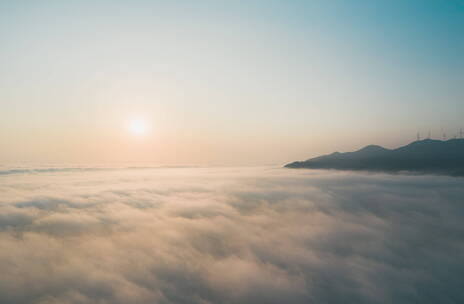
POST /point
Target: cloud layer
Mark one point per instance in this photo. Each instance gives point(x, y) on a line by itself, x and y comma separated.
point(224, 235)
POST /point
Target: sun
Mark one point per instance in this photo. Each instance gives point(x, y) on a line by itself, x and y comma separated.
point(138, 127)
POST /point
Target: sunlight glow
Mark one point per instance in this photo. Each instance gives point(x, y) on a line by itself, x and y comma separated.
point(138, 127)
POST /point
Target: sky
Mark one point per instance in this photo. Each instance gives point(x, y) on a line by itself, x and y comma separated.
point(225, 82)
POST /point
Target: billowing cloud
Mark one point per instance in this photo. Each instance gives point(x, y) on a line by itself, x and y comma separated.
point(260, 235)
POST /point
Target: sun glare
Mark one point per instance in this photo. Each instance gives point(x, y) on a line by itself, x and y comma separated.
point(138, 127)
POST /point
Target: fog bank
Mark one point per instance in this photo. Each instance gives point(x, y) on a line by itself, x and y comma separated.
point(229, 235)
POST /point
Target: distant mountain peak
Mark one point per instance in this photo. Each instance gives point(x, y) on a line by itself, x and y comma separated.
point(372, 148)
point(423, 156)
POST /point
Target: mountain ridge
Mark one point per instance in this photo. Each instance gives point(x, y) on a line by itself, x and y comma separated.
point(428, 156)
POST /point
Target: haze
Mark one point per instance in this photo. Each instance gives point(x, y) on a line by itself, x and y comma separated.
point(224, 82)
point(169, 152)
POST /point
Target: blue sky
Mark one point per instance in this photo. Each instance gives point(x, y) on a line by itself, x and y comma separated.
point(225, 81)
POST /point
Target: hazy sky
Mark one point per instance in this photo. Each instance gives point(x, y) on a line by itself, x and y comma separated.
point(225, 82)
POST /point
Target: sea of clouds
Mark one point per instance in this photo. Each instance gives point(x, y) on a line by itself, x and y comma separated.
point(229, 235)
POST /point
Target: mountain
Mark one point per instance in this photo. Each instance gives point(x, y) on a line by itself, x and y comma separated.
point(424, 156)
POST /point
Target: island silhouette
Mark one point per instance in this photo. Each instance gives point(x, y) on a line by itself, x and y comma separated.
point(426, 156)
